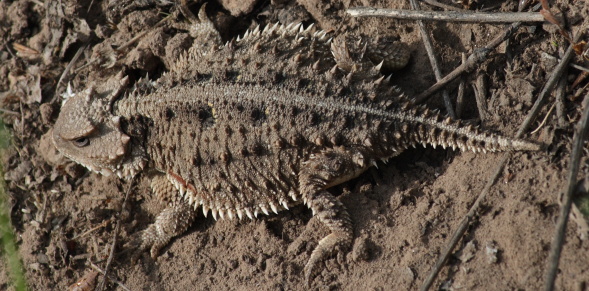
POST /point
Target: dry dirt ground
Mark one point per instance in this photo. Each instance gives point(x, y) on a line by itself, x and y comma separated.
point(404, 212)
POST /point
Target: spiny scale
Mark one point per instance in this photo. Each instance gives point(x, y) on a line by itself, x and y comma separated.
point(254, 126)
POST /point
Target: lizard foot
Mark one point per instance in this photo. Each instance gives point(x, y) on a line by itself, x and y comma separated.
point(171, 222)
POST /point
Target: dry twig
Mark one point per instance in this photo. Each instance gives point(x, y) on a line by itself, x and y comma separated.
point(560, 95)
point(574, 66)
point(442, 5)
point(9, 111)
point(565, 208)
point(454, 16)
point(480, 94)
point(142, 34)
point(103, 272)
point(476, 57)
point(460, 97)
point(102, 225)
point(545, 119)
point(429, 47)
point(554, 77)
point(115, 236)
point(69, 67)
point(457, 235)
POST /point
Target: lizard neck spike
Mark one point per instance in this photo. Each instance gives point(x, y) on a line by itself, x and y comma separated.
point(67, 94)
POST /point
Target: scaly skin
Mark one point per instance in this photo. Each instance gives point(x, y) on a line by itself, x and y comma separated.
point(256, 126)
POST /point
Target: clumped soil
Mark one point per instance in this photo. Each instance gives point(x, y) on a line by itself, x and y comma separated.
point(404, 212)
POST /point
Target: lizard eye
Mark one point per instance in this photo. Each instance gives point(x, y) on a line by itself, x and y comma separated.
point(81, 142)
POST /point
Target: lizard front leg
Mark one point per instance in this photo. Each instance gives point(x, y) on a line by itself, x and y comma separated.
point(321, 171)
point(174, 220)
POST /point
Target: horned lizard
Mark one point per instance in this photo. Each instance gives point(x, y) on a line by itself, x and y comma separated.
point(257, 125)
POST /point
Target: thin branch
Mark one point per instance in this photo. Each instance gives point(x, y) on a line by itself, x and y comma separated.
point(140, 35)
point(130, 42)
point(575, 66)
point(115, 236)
point(545, 119)
point(9, 111)
point(442, 5)
point(457, 235)
point(560, 95)
point(480, 94)
point(69, 67)
point(102, 225)
point(565, 209)
point(476, 57)
point(101, 271)
point(460, 97)
point(453, 16)
point(429, 47)
point(485, 9)
point(554, 77)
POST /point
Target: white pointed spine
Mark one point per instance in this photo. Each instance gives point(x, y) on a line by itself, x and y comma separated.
point(273, 207)
point(249, 214)
point(264, 209)
point(284, 204)
point(293, 195)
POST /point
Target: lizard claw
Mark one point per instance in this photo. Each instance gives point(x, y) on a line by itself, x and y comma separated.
point(147, 239)
point(310, 270)
point(328, 246)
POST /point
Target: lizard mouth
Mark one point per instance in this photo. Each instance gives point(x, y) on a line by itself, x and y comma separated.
point(121, 172)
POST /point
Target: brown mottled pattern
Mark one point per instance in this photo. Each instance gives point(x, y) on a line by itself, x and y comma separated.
point(256, 125)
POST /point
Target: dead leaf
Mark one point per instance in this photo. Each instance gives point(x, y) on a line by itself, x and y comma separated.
point(28, 85)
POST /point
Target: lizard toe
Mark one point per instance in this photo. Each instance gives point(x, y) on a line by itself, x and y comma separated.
point(335, 243)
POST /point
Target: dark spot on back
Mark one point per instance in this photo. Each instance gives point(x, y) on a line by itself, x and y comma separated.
point(258, 115)
point(169, 114)
point(303, 83)
point(314, 118)
point(196, 161)
point(278, 78)
point(205, 116)
point(350, 122)
point(343, 91)
point(229, 75)
point(258, 149)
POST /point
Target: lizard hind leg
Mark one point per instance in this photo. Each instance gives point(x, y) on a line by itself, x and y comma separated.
point(173, 221)
point(321, 171)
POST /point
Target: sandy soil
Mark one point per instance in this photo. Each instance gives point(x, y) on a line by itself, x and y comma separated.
point(404, 212)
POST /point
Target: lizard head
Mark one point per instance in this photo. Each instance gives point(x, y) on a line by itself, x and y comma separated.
point(87, 132)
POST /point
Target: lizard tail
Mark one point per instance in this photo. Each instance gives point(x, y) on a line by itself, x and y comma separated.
point(428, 127)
